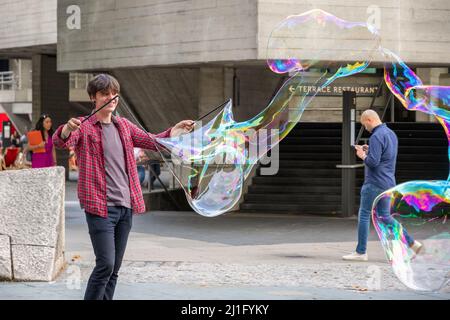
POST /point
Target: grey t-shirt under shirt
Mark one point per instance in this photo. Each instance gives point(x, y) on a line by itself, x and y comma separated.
point(117, 183)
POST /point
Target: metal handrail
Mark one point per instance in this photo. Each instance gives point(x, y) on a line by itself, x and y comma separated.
point(361, 130)
point(388, 102)
point(372, 102)
point(350, 166)
point(8, 80)
point(148, 165)
point(163, 185)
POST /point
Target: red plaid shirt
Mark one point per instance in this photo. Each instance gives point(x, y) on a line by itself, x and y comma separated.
point(90, 158)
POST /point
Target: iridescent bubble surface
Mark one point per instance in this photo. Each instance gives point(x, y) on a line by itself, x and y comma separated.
point(416, 210)
point(213, 161)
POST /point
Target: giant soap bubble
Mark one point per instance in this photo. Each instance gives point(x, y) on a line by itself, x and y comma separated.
point(318, 39)
point(318, 48)
point(213, 161)
point(416, 210)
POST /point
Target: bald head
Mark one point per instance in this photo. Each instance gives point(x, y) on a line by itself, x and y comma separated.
point(370, 119)
point(370, 114)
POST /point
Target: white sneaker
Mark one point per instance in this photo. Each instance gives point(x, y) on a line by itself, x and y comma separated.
point(416, 247)
point(355, 256)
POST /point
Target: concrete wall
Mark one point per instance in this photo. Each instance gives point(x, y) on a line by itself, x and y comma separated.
point(27, 23)
point(255, 88)
point(134, 33)
point(131, 33)
point(31, 223)
point(417, 30)
point(160, 96)
point(257, 85)
point(215, 86)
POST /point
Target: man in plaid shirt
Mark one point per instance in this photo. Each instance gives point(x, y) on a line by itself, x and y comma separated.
point(108, 188)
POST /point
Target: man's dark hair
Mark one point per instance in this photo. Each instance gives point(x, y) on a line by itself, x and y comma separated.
point(103, 83)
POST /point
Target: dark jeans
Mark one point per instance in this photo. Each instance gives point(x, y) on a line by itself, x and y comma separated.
point(368, 194)
point(109, 239)
point(141, 173)
point(156, 169)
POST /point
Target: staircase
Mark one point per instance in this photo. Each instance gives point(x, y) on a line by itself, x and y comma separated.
point(308, 181)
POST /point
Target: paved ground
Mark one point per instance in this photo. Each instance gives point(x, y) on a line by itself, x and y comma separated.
point(181, 255)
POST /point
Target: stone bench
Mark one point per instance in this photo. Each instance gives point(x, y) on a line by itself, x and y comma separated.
point(32, 224)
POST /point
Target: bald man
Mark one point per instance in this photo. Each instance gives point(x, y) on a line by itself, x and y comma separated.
point(379, 175)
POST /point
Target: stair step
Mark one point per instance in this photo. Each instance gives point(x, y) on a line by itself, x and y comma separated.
point(296, 181)
point(336, 149)
point(324, 164)
point(427, 158)
point(309, 182)
point(312, 140)
point(336, 173)
point(421, 134)
point(290, 198)
point(393, 126)
point(318, 125)
point(311, 148)
point(337, 141)
point(431, 158)
point(308, 156)
point(414, 126)
point(292, 208)
point(324, 190)
point(298, 172)
point(308, 164)
point(420, 165)
point(316, 133)
point(432, 150)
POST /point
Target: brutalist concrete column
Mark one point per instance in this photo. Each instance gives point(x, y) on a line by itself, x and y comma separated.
point(51, 96)
point(32, 224)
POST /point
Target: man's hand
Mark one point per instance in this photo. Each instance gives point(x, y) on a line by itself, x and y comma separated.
point(182, 127)
point(360, 152)
point(71, 125)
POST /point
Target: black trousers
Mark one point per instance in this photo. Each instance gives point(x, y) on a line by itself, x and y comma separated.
point(109, 238)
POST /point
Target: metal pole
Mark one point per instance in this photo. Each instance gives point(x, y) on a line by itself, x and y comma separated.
point(392, 108)
point(165, 189)
point(348, 154)
point(149, 185)
point(173, 180)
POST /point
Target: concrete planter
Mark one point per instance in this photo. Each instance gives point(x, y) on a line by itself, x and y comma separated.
point(31, 224)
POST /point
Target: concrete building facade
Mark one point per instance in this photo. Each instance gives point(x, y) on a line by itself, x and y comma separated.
point(179, 59)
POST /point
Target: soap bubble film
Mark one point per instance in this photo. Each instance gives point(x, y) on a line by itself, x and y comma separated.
point(214, 160)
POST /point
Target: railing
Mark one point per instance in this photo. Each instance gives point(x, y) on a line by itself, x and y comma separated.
point(166, 190)
point(8, 81)
point(151, 172)
point(389, 104)
point(79, 80)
